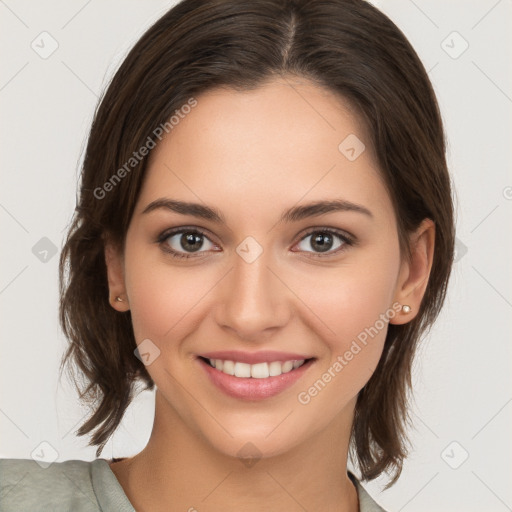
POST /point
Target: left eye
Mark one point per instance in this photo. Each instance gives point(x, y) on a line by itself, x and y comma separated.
point(324, 240)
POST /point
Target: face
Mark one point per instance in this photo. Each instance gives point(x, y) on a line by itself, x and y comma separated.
point(254, 271)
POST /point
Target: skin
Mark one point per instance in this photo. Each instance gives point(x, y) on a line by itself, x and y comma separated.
point(252, 155)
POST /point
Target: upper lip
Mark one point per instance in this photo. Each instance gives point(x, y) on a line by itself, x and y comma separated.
point(266, 356)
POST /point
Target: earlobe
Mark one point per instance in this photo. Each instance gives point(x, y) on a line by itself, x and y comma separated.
point(115, 273)
point(415, 273)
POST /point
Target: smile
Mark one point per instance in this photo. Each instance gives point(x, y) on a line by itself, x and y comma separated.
point(255, 371)
point(253, 381)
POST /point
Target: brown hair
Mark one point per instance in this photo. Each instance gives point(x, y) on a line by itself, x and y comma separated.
point(347, 46)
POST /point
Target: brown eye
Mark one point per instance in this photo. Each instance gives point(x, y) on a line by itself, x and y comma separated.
point(324, 241)
point(183, 243)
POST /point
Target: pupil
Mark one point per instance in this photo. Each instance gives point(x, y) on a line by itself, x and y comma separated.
point(323, 242)
point(191, 242)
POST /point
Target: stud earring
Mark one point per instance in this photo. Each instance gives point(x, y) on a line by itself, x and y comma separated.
point(406, 308)
point(118, 299)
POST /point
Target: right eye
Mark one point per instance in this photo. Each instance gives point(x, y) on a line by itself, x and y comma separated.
point(183, 242)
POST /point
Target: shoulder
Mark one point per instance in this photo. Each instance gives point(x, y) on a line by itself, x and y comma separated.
point(366, 502)
point(76, 485)
point(25, 485)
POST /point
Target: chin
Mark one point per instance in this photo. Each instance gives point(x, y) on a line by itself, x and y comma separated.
point(257, 443)
point(249, 450)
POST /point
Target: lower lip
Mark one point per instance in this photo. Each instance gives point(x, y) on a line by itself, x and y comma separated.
point(254, 389)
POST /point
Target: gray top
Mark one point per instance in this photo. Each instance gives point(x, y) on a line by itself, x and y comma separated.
point(82, 486)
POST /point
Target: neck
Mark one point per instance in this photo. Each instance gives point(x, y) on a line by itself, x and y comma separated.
point(180, 470)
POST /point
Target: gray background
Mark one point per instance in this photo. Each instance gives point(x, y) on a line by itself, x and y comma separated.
point(462, 408)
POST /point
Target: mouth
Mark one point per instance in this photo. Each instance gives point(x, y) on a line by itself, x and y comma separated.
point(254, 381)
point(262, 370)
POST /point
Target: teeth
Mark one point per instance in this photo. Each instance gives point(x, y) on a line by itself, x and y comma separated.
point(228, 367)
point(256, 371)
point(287, 366)
point(242, 370)
point(259, 371)
point(274, 368)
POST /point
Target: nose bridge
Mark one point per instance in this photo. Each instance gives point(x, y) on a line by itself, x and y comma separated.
point(254, 300)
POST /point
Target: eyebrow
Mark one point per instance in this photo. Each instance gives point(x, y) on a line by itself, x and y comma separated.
point(293, 214)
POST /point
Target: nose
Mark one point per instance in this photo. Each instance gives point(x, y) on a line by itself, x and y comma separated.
point(253, 301)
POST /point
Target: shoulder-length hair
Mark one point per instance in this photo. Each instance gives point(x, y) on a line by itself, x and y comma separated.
point(346, 46)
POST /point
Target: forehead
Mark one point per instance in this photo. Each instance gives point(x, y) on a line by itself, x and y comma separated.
point(276, 144)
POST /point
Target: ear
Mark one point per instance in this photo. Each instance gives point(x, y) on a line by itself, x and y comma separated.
point(413, 277)
point(114, 260)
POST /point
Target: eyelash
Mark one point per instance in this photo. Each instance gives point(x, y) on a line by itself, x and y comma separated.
point(348, 241)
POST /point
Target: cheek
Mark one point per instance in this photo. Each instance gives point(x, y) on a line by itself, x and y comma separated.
point(347, 300)
point(164, 299)
point(352, 308)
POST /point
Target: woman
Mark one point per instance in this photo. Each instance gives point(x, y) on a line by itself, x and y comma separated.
point(264, 232)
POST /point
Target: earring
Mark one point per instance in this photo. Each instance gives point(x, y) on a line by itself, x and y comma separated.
point(118, 299)
point(406, 308)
